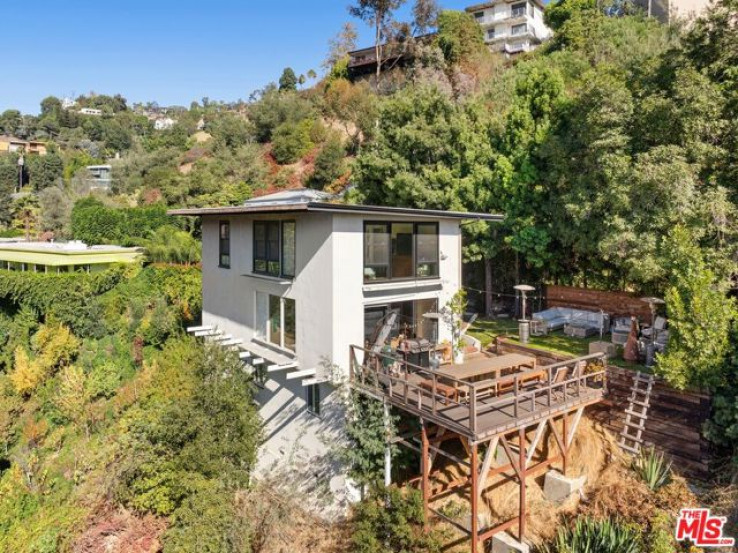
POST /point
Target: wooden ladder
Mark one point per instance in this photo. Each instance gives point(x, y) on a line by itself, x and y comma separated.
point(636, 414)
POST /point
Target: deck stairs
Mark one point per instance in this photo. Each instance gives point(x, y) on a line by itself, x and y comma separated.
point(255, 357)
point(636, 415)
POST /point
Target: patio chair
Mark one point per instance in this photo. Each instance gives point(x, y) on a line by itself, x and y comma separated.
point(659, 324)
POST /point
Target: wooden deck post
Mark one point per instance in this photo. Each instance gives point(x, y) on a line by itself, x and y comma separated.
point(564, 453)
point(387, 444)
point(522, 463)
point(474, 496)
point(425, 469)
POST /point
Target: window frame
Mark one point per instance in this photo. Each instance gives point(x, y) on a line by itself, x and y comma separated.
point(388, 227)
point(517, 6)
point(221, 240)
point(263, 328)
point(280, 255)
point(313, 400)
point(518, 26)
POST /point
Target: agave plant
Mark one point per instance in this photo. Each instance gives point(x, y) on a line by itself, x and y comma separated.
point(653, 469)
point(589, 535)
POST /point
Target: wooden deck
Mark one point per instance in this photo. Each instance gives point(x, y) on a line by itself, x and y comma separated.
point(481, 410)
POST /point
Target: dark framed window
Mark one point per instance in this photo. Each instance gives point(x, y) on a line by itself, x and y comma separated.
point(479, 15)
point(411, 320)
point(274, 248)
point(276, 320)
point(519, 29)
point(491, 33)
point(518, 9)
point(400, 250)
point(312, 397)
point(224, 248)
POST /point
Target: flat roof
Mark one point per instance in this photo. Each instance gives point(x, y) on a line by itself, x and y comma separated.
point(69, 253)
point(307, 200)
point(484, 5)
point(329, 207)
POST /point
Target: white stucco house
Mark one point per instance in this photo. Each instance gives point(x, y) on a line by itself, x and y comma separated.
point(512, 26)
point(295, 279)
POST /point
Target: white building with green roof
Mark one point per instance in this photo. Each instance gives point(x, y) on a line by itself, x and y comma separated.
point(63, 257)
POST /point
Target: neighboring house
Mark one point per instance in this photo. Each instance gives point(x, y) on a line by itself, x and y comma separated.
point(164, 123)
point(100, 176)
point(68, 103)
point(62, 257)
point(511, 27)
point(90, 111)
point(298, 279)
point(11, 144)
point(668, 11)
point(363, 62)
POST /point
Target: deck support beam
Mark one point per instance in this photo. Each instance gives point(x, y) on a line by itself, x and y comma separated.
point(425, 468)
point(387, 445)
point(474, 496)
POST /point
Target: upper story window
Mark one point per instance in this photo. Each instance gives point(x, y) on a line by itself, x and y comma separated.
point(400, 250)
point(224, 249)
point(519, 29)
point(491, 33)
point(274, 248)
point(518, 10)
point(479, 15)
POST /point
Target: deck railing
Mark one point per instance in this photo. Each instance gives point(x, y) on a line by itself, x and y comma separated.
point(425, 391)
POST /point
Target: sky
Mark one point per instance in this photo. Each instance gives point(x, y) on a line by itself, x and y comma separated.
point(168, 51)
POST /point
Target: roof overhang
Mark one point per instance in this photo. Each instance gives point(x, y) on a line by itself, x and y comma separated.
point(328, 207)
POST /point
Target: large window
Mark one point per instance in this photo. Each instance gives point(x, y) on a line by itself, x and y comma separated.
point(276, 320)
point(400, 251)
point(518, 10)
point(415, 319)
point(274, 248)
point(225, 245)
point(519, 29)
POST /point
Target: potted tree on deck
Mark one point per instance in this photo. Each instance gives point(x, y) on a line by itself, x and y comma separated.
point(453, 313)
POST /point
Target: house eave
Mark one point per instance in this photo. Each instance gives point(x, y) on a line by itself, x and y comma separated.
point(327, 207)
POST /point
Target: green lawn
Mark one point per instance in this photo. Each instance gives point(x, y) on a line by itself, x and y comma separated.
point(486, 330)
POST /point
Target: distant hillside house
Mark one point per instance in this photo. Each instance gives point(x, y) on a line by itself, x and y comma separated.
point(90, 111)
point(62, 257)
point(511, 27)
point(164, 123)
point(668, 11)
point(100, 176)
point(11, 144)
point(363, 62)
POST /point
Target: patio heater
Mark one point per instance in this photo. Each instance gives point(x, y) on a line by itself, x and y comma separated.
point(651, 346)
point(523, 322)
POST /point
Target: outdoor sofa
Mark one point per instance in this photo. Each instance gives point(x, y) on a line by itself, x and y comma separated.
point(556, 318)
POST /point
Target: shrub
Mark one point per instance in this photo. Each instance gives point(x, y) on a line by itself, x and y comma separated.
point(95, 223)
point(652, 468)
point(589, 535)
point(329, 164)
point(392, 520)
point(291, 141)
point(168, 244)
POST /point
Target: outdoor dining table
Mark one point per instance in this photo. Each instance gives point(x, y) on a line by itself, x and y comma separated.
point(488, 368)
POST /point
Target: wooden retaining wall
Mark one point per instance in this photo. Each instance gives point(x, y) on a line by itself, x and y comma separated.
point(675, 418)
point(616, 304)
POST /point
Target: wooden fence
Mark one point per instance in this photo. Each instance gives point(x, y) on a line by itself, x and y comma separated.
point(675, 418)
point(617, 304)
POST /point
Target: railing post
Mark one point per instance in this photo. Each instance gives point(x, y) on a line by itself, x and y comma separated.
point(433, 400)
point(406, 385)
point(473, 408)
point(516, 391)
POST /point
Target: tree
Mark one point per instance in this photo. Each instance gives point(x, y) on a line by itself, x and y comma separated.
point(340, 45)
point(700, 317)
point(291, 141)
point(460, 37)
point(51, 106)
point(288, 80)
point(425, 16)
point(56, 211)
point(168, 244)
point(352, 105)
point(50, 170)
point(379, 15)
point(11, 121)
point(329, 164)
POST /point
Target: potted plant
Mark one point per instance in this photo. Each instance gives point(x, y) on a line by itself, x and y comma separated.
point(453, 313)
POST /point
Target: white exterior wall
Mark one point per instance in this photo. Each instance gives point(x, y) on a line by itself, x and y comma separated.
point(499, 17)
point(330, 297)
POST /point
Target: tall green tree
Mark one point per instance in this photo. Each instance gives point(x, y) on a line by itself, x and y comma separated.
point(379, 15)
point(288, 80)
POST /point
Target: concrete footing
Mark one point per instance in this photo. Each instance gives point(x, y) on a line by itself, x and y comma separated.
point(558, 487)
point(505, 543)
